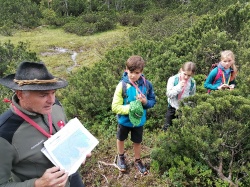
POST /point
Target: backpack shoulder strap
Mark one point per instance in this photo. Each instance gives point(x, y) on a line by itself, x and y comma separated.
point(124, 89)
point(192, 83)
point(218, 75)
point(176, 80)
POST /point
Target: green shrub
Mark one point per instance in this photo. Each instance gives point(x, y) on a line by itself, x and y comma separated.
point(104, 25)
point(7, 28)
point(90, 17)
point(129, 19)
point(194, 146)
point(80, 28)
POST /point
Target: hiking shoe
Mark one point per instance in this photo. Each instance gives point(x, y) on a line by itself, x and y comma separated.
point(121, 163)
point(139, 165)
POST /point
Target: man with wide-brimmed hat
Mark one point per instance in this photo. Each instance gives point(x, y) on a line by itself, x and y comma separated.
point(33, 117)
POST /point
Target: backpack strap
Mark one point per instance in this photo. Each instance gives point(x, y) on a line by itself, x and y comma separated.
point(176, 80)
point(124, 87)
point(218, 75)
point(192, 84)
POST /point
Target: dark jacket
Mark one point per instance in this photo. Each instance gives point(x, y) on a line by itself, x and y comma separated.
point(21, 144)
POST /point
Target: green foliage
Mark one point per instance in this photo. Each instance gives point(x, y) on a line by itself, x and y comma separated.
point(7, 28)
point(104, 24)
point(12, 55)
point(92, 100)
point(67, 8)
point(139, 5)
point(218, 141)
point(80, 28)
point(162, 23)
point(10, 58)
point(23, 13)
point(90, 23)
point(49, 17)
point(129, 19)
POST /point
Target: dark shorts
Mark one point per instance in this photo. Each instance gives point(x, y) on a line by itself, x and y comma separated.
point(136, 133)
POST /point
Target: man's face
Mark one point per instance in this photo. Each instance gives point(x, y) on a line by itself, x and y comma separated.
point(37, 101)
point(134, 75)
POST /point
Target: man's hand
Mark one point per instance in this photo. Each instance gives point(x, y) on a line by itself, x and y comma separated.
point(52, 177)
point(87, 156)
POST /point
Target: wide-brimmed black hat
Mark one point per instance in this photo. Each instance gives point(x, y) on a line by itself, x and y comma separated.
point(32, 76)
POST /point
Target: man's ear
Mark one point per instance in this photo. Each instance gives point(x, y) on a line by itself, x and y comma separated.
point(19, 93)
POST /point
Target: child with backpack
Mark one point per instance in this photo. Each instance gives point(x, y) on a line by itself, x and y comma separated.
point(223, 76)
point(179, 86)
point(131, 109)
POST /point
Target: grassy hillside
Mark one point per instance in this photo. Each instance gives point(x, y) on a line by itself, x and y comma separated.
point(163, 153)
point(57, 48)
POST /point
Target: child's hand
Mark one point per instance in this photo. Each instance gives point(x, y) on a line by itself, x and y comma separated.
point(182, 83)
point(231, 86)
point(223, 87)
point(142, 98)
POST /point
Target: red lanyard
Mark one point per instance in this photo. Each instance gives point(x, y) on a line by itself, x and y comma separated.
point(183, 89)
point(34, 124)
point(136, 87)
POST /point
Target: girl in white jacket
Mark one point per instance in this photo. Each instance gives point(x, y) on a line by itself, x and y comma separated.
point(179, 86)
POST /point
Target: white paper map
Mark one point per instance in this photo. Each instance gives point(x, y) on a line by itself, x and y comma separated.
point(69, 146)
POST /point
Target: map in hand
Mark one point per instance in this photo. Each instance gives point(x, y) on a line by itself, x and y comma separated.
point(69, 146)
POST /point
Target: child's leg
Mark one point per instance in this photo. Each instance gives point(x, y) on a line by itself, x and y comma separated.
point(170, 115)
point(120, 146)
point(122, 134)
point(136, 138)
point(137, 150)
point(138, 163)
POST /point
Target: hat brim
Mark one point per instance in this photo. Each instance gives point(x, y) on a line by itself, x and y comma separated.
point(8, 82)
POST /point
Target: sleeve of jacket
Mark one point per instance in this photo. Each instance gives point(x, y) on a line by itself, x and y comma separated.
point(6, 160)
point(210, 79)
point(117, 103)
point(172, 91)
point(151, 100)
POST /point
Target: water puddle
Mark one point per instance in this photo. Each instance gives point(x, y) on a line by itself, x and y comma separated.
point(60, 50)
